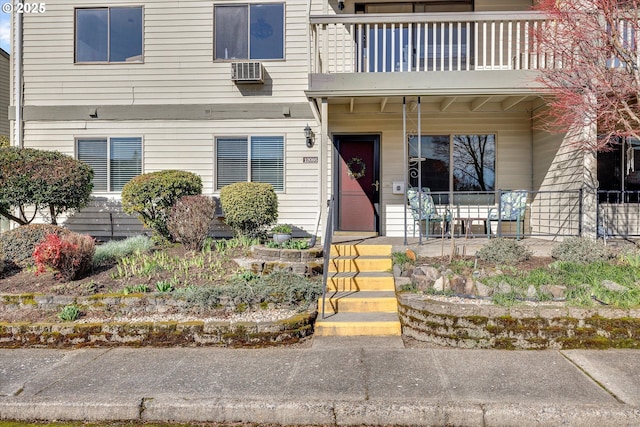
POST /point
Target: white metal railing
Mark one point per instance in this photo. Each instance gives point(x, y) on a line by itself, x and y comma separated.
point(373, 43)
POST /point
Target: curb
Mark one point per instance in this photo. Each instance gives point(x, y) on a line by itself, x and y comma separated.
point(338, 413)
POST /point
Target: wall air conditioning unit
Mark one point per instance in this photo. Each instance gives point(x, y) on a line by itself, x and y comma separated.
point(247, 72)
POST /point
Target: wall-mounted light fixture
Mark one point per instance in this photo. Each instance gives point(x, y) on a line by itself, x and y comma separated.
point(93, 113)
point(308, 136)
point(341, 5)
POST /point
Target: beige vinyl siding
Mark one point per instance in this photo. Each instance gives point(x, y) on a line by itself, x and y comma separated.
point(558, 166)
point(178, 63)
point(500, 5)
point(189, 145)
point(513, 150)
point(5, 90)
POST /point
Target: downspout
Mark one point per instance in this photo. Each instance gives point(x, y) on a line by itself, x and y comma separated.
point(17, 79)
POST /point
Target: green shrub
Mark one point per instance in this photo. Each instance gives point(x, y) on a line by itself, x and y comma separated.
point(504, 251)
point(69, 313)
point(581, 250)
point(18, 244)
point(150, 196)
point(71, 256)
point(249, 207)
point(190, 220)
point(1, 259)
point(50, 181)
point(115, 250)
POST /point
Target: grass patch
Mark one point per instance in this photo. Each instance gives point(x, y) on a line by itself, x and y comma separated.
point(583, 282)
point(282, 289)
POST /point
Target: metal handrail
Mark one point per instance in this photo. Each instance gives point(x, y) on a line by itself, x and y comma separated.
point(326, 250)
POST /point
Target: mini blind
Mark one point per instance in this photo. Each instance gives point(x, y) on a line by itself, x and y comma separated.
point(231, 161)
point(94, 153)
point(267, 160)
point(126, 161)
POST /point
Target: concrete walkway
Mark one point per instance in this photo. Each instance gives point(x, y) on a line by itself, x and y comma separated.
point(328, 381)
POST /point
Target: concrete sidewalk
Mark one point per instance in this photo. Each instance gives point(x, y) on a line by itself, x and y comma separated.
point(329, 381)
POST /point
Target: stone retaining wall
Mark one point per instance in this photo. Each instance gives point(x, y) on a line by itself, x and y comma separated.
point(539, 327)
point(195, 333)
point(132, 304)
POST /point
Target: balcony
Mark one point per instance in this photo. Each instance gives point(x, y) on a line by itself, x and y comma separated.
point(394, 44)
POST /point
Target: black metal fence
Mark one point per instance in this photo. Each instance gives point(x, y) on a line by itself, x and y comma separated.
point(492, 214)
point(618, 214)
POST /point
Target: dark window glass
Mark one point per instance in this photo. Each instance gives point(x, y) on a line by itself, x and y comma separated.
point(231, 24)
point(432, 160)
point(125, 34)
point(473, 157)
point(109, 34)
point(92, 31)
point(266, 33)
point(249, 31)
point(474, 162)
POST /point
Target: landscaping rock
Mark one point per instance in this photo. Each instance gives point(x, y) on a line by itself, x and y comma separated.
point(439, 284)
point(557, 291)
point(469, 286)
point(397, 271)
point(458, 284)
point(431, 272)
point(532, 292)
point(407, 270)
point(503, 288)
point(613, 286)
point(422, 282)
point(483, 290)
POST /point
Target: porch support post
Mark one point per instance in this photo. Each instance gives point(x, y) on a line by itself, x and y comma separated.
point(324, 161)
point(590, 177)
point(405, 164)
point(590, 195)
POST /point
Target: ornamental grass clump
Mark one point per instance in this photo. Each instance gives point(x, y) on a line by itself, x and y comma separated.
point(115, 250)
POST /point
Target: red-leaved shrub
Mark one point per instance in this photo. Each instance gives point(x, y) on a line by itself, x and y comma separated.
point(70, 256)
point(190, 220)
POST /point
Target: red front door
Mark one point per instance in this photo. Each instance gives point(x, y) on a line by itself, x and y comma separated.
point(358, 186)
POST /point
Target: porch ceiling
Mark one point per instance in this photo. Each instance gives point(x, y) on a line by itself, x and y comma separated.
point(435, 104)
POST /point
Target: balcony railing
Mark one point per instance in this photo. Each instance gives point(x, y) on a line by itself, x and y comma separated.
point(387, 43)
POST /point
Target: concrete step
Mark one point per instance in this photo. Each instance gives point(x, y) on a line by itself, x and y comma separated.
point(367, 281)
point(358, 324)
point(361, 250)
point(359, 302)
point(355, 264)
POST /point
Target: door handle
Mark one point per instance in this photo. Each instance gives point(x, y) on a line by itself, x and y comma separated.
point(377, 185)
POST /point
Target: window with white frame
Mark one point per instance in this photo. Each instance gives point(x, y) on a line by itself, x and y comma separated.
point(249, 31)
point(114, 161)
point(109, 34)
point(254, 158)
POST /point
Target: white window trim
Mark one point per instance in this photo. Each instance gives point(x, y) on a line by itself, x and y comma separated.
point(112, 194)
point(249, 139)
point(75, 35)
point(284, 33)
